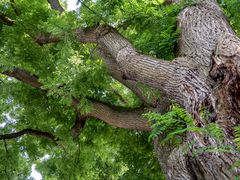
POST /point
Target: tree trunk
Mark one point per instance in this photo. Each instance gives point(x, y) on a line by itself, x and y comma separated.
point(212, 51)
point(204, 76)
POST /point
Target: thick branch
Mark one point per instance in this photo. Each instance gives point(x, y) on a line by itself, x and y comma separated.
point(156, 73)
point(128, 119)
point(90, 35)
point(162, 104)
point(117, 74)
point(6, 20)
point(32, 132)
point(56, 5)
point(117, 116)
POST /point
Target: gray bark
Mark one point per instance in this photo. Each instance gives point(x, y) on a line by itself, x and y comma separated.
point(206, 74)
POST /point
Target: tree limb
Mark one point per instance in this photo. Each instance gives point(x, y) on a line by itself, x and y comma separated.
point(126, 64)
point(6, 20)
point(118, 116)
point(90, 35)
point(32, 132)
point(46, 39)
point(23, 76)
point(129, 67)
point(78, 125)
point(127, 119)
point(56, 5)
point(159, 74)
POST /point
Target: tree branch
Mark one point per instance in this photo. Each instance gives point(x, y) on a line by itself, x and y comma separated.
point(126, 64)
point(32, 132)
point(159, 74)
point(118, 116)
point(127, 119)
point(90, 35)
point(46, 39)
point(56, 5)
point(78, 125)
point(23, 76)
point(6, 20)
point(116, 73)
point(129, 67)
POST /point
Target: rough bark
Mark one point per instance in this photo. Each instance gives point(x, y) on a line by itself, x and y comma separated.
point(212, 51)
point(118, 116)
point(131, 119)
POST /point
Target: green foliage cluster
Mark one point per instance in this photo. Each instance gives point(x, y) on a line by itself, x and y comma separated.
point(100, 156)
point(174, 124)
point(237, 136)
point(231, 10)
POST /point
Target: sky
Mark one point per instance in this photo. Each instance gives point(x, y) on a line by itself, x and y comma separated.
point(71, 5)
point(35, 174)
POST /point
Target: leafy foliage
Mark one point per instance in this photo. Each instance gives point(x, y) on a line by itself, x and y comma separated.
point(175, 123)
point(237, 136)
point(231, 9)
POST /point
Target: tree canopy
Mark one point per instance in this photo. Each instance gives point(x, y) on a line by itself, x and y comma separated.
point(55, 92)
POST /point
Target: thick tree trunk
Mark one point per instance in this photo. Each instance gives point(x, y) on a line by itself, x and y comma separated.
point(205, 75)
point(212, 51)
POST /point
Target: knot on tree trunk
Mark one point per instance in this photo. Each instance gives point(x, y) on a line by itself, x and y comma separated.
point(226, 74)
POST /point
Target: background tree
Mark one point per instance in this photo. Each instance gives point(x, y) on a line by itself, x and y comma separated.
point(61, 70)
